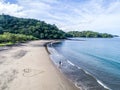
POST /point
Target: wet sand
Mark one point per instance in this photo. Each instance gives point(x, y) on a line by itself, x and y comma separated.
point(28, 67)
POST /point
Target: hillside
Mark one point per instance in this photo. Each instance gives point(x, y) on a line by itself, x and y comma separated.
point(36, 28)
point(90, 34)
point(41, 30)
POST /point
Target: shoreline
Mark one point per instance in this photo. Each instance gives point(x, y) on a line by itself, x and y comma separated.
point(88, 75)
point(28, 66)
point(58, 69)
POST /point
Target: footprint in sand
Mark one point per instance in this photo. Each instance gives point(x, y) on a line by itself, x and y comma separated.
point(31, 72)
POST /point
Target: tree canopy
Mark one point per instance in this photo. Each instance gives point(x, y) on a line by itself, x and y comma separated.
point(89, 34)
point(33, 27)
point(41, 29)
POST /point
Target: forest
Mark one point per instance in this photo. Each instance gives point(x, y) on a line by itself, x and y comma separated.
point(36, 28)
point(13, 30)
point(89, 34)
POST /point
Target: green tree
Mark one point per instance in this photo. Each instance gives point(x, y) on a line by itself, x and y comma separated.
point(89, 34)
point(33, 27)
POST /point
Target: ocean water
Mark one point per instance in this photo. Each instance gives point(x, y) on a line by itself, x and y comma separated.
point(91, 63)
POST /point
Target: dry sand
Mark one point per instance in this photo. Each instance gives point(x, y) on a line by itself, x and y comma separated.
point(28, 67)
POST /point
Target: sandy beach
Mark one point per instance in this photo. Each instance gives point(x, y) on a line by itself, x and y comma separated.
point(28, 67)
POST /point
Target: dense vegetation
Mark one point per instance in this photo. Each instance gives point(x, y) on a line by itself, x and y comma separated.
point(9, 38)
point(13, 30)
point(89, 34)
point(33, 27)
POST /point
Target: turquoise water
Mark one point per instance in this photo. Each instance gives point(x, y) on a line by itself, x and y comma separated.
point(100, 58)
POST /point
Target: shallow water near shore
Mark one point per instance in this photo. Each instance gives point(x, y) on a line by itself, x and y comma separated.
point(93, 64)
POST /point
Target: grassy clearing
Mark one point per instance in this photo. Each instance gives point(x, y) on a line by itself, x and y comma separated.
point(6, 44)
point(7, 39)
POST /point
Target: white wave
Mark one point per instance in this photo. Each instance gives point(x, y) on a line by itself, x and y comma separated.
point(78, 67)
point(103, 85)
point(77, 86)
point(88, 73)
point(70, 63)
point(98, 81)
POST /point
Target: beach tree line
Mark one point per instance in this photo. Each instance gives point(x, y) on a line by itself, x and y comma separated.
point(41, 29)
point(13, 29)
